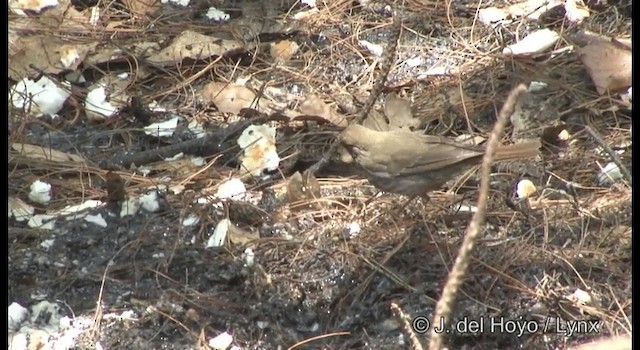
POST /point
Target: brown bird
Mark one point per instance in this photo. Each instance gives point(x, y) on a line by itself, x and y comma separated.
point(413, 164)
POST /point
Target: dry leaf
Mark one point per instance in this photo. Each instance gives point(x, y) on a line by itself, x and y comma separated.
point(143, 8)
point(238, 236)
point(57, 58)
point(190, 44)
point(283, 50)
point(608, 64)
point(228, 98)
point(259, 145)
point(314, 105)
point(38, 152)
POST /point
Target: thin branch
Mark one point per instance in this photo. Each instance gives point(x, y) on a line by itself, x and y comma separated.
point(625, 172)
point(456, 276)
point(388, 59)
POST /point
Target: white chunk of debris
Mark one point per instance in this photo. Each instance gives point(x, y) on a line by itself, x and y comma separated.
point(78, 211)
point(162, 129)
point(20, 6)
point(47, 243)
point(304, 14)
point(414, 62)
point(525, 188)
point(373, 49)
point(176, 157)
point(231, 189)
point(149, 201)
point(190, 220)
point(310, 3)
point(221, 342)
point(219, 234)
point(197, 161)
point(17, 315)
point(491, 15)
point(20, 210)
point(96, 220)
point(259, 145)
point(537, 86)
point(197, 128)
point(177, 2)
point(69, 55)
point(249, 257)
point(95, 16)
point(129, 207)
point(40, 192)
point(465, 208)
point(533, 43)
point(353, 229)
point(217, 15)
point(42, 221)
point(44, 97)
point(580, 296)
point(609, 174)
point(97, 105)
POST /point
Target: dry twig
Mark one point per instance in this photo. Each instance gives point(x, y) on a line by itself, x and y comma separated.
point(611, 153)
point(388, 60)
point(456, 276)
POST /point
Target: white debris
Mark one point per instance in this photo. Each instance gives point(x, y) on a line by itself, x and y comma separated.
point(40, 192)
point(373, 49)
point(17, 315)
point(78, 211)
point(464, 208)
point(217, 15)
point(231, 189)
point(47, 243)
point(149, 202)
point(310, 3)
point(533, 43)
point(221, 342)
point(97, 106)
point(197, 128)
point(130, 207)
point(42, 221)
point(183, 3)
point(162, 129)
point(525, 188)
point(190, 220)
point(20, 6)
point(96, 219)
point(259, 145)
point(219, 234)
point(249, 257)
point(353, 229)
point(44, 97)
point(609, 174)
point(580, 297)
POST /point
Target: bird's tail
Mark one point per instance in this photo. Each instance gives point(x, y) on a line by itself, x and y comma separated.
point(527, 149)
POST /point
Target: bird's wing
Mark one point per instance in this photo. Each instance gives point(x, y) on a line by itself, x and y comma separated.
point(438, 152)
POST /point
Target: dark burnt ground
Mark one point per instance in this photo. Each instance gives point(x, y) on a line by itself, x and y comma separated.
point(330, 268)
